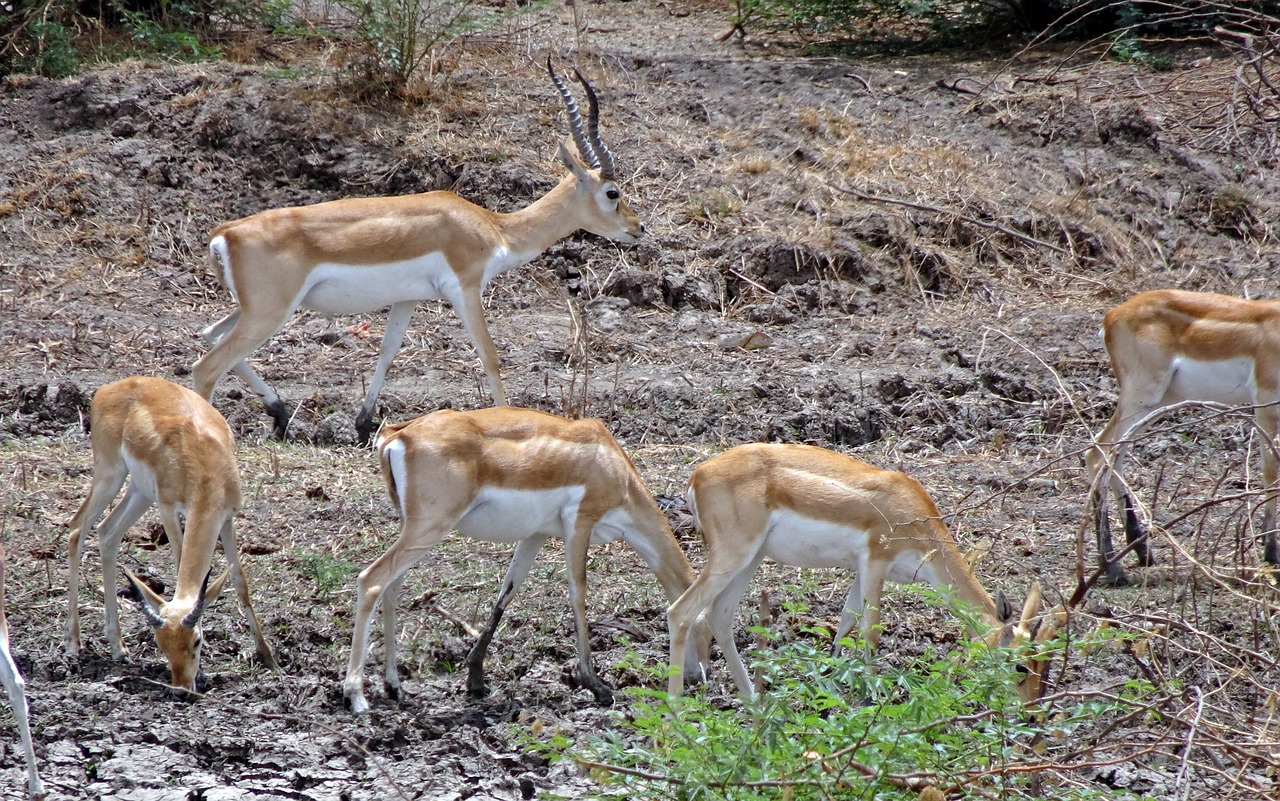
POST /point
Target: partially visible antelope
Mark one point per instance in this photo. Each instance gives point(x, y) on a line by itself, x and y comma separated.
point(179, 452)
point(811, 507)
point(1170, 346)
point(511, 475)
point(16, 687)
point(360, 254)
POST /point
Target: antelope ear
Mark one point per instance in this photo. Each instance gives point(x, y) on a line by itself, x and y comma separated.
point(575, 165)
point(1031, 608)
point(1004, 609)
point(148, 599)
point(215, 589)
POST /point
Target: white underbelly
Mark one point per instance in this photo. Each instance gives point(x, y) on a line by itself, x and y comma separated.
point(1229, 381)
point(510, 515)
point(794, 539)
point(347, 289)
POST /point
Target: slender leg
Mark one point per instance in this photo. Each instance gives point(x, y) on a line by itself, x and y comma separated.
point(169, 518)
point(390, 673)
point(471, 310)
point(872, 576)
point(724, 612)
point(521, 562)
point(721, 583)
point(228, 537)
point(232, 340)
point(1104, 460)
point(108, 478)
point(577, 538)
point(16, 688)
point(110, 535)
point(1269, 421)
point(413, 544)
point(854, 607)
point(397, 325)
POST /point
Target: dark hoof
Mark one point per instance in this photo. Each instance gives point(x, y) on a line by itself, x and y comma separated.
point(280, 418)
point(477, 691)
point(1116, 577)
point(393, 692)
point(604, 696)
point(1271, 551)
point(364, 429)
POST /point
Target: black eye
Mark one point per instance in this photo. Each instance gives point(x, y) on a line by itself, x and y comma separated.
point(1023, 670)
point(613, 194)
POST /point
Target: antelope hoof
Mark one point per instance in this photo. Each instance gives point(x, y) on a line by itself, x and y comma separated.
point(478, 689)
point(280, 417)
point(1116, 576)
point(604, 695)
point(393, 691)
point(356, 703)
point(364, 428)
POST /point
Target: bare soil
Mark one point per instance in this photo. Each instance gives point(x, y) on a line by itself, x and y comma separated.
point(955, 339)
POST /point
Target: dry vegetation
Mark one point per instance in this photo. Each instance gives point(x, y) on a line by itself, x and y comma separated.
point(903, 258)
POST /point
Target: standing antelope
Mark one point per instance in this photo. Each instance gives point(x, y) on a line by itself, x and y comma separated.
point(360, 254)
point(16, 687)
point(511, 475)
point(180, 454)
point(811, 507)
point(1170, 346)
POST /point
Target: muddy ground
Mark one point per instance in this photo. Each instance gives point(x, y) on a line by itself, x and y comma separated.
point(956, 339)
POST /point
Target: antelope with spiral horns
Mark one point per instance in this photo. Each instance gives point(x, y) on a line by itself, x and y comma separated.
point(1168, 347)
point(511, 475)
point(17, 689)
point(179, 453)
point(811, 507)
point(360, 254)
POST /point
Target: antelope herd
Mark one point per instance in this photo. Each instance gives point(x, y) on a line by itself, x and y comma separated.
point(521, 476)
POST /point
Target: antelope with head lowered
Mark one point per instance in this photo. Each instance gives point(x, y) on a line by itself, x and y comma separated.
point(811, 507)
point(179, 453)
point(360, 254)
point(1167, 347)
point(511, 475)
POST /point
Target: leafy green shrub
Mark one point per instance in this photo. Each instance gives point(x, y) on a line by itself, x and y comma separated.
point(38, 38)
point(399, 34)
point(328, 573)
point(830, 727)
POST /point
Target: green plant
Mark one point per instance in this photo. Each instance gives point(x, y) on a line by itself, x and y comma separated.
point(400, 34)
point(39, 39)
point(830, 727)
point(154, 36)
point(328, 573)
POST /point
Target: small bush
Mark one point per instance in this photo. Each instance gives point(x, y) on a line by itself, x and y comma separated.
point(828, 727)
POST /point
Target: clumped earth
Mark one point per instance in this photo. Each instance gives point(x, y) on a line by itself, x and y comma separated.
point(955, 338)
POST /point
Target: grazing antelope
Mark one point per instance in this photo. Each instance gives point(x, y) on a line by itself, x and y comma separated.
point(811, 507)
point(179, 452)
point(511, 475)
point(360, 254)
point(16, 688)
point(1170, 346)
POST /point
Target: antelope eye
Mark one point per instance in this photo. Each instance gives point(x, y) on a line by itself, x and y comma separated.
point(1023, 670)
point(613, 194)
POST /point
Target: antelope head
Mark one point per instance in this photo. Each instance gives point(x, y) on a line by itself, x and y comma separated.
point(604, 213)
point(177, 626)
point(1027, 628)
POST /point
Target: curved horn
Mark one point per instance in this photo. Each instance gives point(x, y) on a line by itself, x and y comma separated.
point(193, 617)
point(147, 600)
point(593, 129)
point(575, 120)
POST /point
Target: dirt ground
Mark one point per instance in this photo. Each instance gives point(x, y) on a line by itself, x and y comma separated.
point(955, 339)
